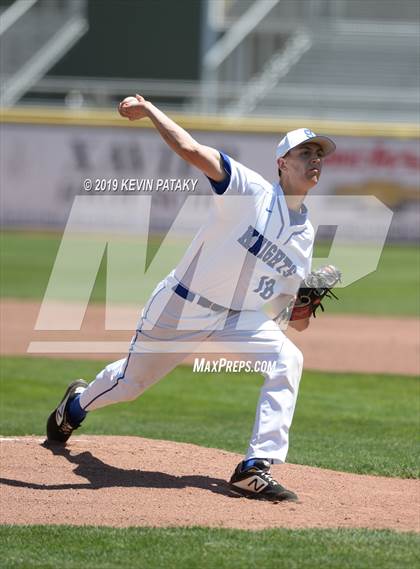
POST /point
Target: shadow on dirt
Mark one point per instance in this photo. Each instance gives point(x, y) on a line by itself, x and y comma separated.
point(102, 475)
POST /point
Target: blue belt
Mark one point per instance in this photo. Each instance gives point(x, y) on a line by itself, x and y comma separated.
point(183, 292)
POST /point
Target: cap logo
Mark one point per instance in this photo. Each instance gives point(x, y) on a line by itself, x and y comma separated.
point(309, 133)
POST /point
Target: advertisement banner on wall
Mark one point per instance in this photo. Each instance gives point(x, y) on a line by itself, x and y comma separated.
point(44, 168)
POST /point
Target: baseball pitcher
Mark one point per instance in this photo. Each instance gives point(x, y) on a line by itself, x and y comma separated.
point(255, 246)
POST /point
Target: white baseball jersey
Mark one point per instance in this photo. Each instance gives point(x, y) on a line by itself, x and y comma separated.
point(252, 248)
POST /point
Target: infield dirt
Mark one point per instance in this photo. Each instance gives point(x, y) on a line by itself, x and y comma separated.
point(342, 343)
point(131, 481)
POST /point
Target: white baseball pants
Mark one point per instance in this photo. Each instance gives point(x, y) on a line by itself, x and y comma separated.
point(171, 328)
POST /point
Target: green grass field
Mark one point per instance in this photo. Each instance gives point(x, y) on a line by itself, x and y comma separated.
point(204, 548)
point(27, 260)
point(351, 422)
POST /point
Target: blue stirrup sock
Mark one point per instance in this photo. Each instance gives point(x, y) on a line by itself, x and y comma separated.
point(75, 413)
point(251, 461)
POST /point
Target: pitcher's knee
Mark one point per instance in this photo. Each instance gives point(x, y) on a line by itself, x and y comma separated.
point(298, 359)
point(292, 358)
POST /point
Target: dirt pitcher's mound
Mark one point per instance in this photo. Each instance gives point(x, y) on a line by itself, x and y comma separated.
point(131, 481)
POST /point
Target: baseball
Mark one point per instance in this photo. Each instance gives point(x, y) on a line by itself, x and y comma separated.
point(129, 101)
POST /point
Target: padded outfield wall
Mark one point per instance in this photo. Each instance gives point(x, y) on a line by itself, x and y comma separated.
point(47, 156)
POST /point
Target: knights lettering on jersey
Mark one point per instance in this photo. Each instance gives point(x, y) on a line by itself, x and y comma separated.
point(267, 251)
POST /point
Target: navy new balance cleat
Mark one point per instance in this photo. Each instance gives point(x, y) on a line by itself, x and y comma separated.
point(256, 482)
point(59, 427)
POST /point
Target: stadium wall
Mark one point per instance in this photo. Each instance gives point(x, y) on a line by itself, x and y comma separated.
point(48, 155)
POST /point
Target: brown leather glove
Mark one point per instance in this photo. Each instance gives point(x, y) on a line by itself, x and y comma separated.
point(314, 289)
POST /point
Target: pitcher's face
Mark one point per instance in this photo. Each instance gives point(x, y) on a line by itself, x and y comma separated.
point(302, 165)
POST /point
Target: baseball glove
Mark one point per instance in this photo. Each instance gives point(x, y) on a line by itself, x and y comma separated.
point(314, 289)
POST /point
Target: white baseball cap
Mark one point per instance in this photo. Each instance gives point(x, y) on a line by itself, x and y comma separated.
point(299, 136)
